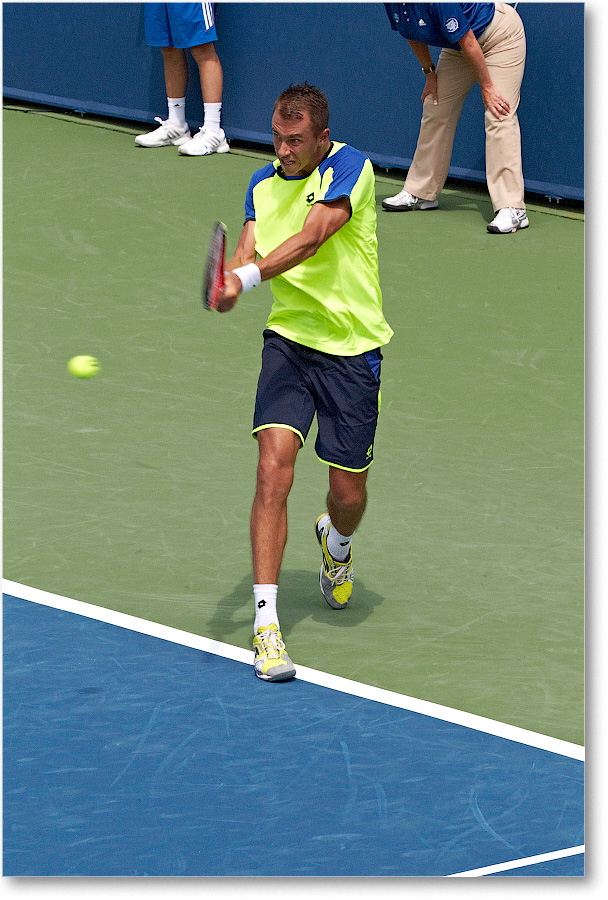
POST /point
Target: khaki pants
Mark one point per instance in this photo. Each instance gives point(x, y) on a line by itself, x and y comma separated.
point(504, 48)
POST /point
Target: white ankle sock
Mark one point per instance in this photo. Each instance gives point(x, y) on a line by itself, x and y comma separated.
point(177, 110)
point(213, 112)
point(338, 544)
point(265, 596)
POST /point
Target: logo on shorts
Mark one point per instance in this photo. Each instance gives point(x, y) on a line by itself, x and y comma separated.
point(368, 455)
point(451, 25)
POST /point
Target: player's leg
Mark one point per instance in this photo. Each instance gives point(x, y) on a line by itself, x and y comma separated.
point(346, 502)
point(284, 409)
point(174, 129)
point(347, 413)
point(505, 54)
point(278, 448)
point(429, 169)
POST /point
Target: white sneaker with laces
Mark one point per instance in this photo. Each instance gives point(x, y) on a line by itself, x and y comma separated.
point(165, 135)
point(205, 142)
point(403, 201)
point(507, 220)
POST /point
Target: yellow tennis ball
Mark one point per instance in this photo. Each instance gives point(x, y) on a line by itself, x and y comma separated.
point(83, 366)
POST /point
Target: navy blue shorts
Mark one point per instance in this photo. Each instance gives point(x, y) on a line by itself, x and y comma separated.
point(179, 25)
point(344, 391)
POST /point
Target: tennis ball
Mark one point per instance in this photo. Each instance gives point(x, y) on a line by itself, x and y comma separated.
point(83, 366)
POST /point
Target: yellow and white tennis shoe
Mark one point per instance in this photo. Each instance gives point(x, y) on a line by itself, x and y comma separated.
point(335, 578)
point(271, 662)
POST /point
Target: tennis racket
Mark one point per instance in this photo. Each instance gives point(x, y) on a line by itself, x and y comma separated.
point(214, 269)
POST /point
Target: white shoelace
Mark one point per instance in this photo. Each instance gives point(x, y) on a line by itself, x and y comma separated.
point(271, 644)
point(168, 126)
point(339, 573)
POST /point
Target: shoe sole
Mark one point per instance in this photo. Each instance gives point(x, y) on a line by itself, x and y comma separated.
point(281, 676)
point(492, 229)
point(408, 208)
point(176, 143)
point(223, 148)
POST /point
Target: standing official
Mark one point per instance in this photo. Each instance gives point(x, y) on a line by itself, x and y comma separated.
point(484, 43)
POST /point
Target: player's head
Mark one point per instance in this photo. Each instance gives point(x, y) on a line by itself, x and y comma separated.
point(304, 98)
point(300, 128)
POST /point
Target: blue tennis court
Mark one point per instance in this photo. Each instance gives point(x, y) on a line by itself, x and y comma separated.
point(129, 755)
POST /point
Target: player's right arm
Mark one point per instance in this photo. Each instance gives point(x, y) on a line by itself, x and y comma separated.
point(243, 255)
point(245, 249)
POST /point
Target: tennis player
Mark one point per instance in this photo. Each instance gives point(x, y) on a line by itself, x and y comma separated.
point(310, 228)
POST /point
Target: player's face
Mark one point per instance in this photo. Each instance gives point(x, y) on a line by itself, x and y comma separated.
point(298, 149)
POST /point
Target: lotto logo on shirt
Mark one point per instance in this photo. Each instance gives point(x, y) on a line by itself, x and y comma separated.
point(451, 25)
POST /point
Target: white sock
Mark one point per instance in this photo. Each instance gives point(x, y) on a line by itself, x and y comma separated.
point(213, 112)
point(265, 596)
point(177, 111)
point(338, 544)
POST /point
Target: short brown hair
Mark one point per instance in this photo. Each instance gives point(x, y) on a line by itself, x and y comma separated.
point(304, 97)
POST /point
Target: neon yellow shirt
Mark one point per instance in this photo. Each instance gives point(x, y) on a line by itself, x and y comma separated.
point(332, 301)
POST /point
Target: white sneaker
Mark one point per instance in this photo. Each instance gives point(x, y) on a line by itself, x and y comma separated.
point(404, 201)
point(166, 134)
point(507, 220)
point(205, 142)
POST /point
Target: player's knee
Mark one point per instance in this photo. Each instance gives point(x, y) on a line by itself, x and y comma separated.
point(348, 494)
point(274, 478)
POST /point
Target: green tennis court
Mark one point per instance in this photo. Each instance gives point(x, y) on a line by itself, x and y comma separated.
point(132, 491)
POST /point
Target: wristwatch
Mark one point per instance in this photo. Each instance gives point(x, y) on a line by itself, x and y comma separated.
point(430, 69)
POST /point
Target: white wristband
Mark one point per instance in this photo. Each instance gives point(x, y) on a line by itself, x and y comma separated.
point(249, 276)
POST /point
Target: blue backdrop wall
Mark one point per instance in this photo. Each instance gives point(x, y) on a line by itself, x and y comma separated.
point(92, 57)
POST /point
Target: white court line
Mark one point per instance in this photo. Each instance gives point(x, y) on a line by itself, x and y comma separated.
point(313, 676)
point(519, 863)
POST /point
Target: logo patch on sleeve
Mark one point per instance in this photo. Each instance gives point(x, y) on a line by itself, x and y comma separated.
point(451, 25)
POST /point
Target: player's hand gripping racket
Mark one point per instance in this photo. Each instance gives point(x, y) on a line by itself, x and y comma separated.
point(214, 270)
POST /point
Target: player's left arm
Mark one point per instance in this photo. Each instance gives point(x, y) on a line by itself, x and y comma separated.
point(492, 98)
point(323, 221)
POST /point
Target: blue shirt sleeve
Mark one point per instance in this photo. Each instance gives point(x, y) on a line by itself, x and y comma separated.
point(452, 20)
point(439, 24)
point(267, 172)
point(393, 14)
point(347, 165)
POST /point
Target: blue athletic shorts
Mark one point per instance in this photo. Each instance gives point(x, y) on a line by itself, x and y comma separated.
point(179, 25)
point(344, 391)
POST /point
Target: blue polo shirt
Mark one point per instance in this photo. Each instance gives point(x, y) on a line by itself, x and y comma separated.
point(439, 24)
